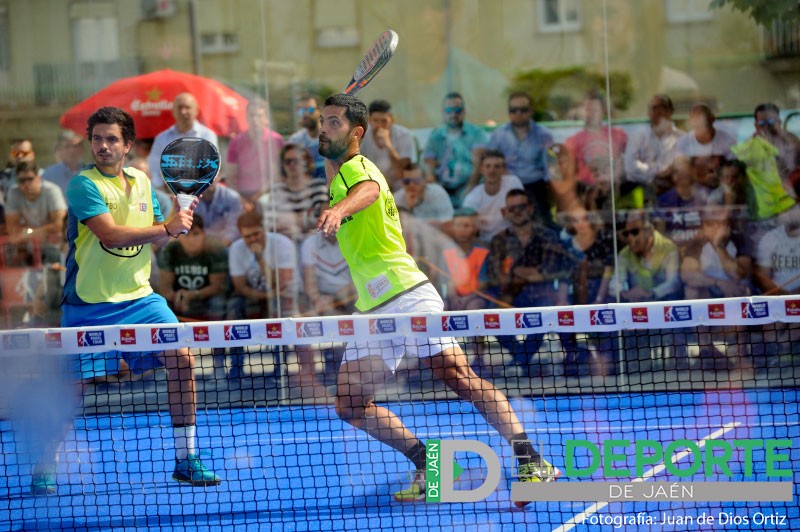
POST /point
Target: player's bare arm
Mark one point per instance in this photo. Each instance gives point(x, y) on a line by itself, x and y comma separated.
point(359, 198)
point(120, 236)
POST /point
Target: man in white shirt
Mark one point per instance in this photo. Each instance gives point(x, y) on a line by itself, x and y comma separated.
point(777, 270)
point(390, 146)
point(425, 201)
point(651, 150)
point(185, 111)
point(489, 199)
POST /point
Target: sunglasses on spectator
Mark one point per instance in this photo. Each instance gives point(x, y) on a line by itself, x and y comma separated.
point(519, 110)
point(453, 110)
point(305, 110)
point(297, 160)
point(20, 153)
point(23, 180)
point(517, 209)
point(767, 122)
point(631, 232)
point(409, 180)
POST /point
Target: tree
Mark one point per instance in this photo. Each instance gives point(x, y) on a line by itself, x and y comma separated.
point(765, 12)
point(554, 92)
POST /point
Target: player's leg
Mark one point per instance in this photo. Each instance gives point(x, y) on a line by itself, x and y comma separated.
point(450, 365)
point(358, 381)
point(81, 370)
point(182, 409)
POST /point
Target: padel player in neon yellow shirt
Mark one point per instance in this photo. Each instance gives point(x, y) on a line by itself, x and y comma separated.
point(364, 217)
point(112, 220)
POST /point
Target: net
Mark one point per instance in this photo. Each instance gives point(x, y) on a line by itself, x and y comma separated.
point(658, 415)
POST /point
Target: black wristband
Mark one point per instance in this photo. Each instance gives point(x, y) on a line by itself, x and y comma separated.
point(168, 233)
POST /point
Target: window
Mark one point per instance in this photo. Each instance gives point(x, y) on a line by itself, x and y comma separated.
point(95, 39)
point(688, 10)
point(335, 24)
point(219, 43)
point(558, 15)
point(4, 40)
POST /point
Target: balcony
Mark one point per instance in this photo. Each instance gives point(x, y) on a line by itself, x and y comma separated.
point(66, 83)
point(780, 42)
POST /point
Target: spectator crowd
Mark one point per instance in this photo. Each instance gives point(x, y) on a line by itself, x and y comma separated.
point(497, 218)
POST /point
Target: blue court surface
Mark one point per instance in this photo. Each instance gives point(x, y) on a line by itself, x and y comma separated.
point(301, 468)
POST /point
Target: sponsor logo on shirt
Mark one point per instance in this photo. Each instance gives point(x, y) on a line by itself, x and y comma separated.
point(125, 253)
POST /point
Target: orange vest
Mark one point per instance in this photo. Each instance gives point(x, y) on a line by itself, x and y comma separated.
point(465, 270)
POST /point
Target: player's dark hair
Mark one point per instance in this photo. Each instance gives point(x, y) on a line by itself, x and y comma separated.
point(112, 115)
point(355, 110)
point(453, 95)
point(380, 106)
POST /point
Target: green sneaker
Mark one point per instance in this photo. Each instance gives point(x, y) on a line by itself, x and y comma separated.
point(44, 483)
point(536, 472)
point(192, 471)
point(415, 492)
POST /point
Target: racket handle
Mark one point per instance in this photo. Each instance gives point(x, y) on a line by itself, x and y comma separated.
point(185, 201)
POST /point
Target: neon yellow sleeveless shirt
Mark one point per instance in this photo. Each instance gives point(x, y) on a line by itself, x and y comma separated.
point(95, 273)
point(371, 240)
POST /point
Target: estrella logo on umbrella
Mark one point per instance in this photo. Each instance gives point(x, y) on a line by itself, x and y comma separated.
point(153, 105)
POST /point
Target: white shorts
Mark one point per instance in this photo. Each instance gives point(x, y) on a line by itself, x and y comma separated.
point(424, 298)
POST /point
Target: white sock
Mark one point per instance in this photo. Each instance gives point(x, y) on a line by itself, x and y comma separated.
point(184, 441)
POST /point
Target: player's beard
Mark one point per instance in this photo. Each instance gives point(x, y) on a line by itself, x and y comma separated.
point(333, 149)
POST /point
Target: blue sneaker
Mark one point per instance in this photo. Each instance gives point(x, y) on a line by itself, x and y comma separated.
point(44, 482)
point(192, 471)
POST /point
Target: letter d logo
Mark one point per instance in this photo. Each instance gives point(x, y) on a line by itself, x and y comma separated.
point(448, 494)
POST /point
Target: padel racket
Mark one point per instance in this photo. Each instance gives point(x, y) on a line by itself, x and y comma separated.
point(374, 60)
point(189, 165)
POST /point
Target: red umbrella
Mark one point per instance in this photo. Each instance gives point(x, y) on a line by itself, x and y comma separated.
point(148, 98)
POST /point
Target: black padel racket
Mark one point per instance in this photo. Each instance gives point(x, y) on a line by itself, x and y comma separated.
point(373, 61)
point(189, 165)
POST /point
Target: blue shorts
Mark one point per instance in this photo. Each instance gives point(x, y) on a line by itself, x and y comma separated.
point(148, 309)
